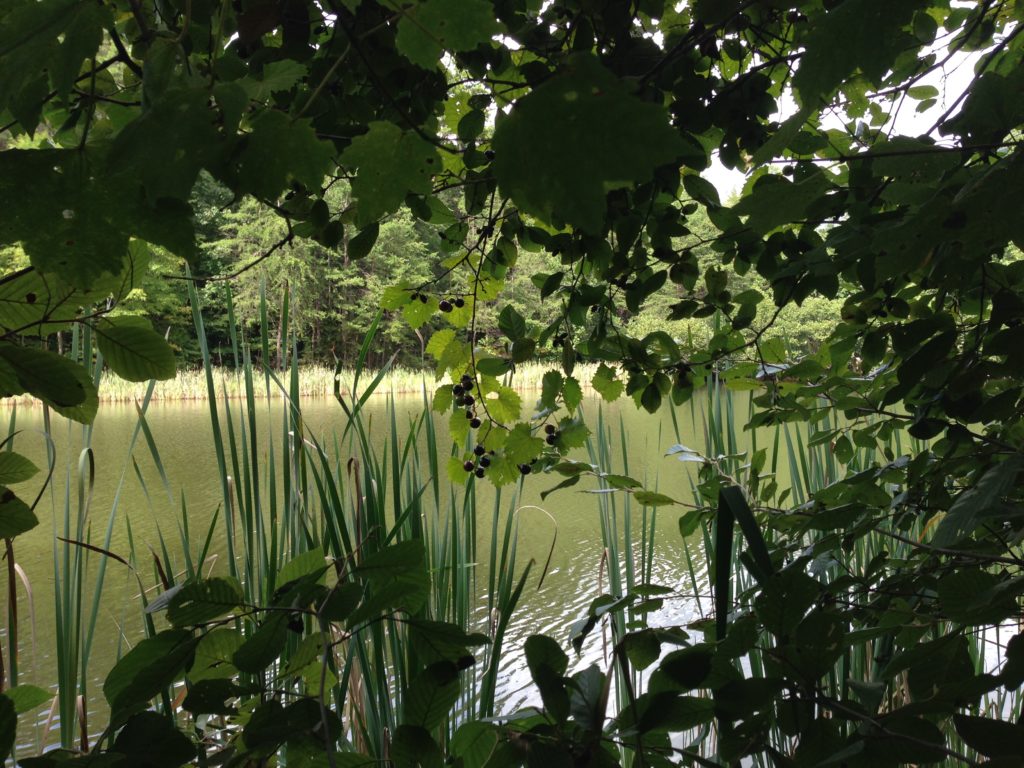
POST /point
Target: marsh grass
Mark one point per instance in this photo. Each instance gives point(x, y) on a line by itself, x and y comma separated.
point(314, 381)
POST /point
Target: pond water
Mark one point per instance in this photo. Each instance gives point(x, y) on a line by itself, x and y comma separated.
point(183, 435)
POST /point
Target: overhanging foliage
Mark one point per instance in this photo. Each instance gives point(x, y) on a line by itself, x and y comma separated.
point(583, 128)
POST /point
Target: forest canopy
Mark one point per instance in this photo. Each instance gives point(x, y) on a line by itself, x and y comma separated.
point(563, 144)
point(493, 156)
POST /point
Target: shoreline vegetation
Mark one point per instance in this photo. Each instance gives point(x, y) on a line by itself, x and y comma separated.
point(315, 381)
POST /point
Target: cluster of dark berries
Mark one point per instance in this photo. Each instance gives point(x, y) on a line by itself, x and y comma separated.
point(421, 296)
point(464, 399)
point(483, 461)
point(446, 305)
point(552, 433)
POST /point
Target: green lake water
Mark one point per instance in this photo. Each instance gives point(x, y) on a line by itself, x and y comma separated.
point(183, 435)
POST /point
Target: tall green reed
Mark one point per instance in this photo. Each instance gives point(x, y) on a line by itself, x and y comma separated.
point(292, 491)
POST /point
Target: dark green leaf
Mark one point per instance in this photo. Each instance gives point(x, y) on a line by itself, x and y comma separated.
point(151, 740)
point(15, 516)
point(545, 149)
point(201, 601)
point(359, 247)
point(146, 670)
point(431, 695)
point(264, 645)
point(134, 351)
point(15, 468)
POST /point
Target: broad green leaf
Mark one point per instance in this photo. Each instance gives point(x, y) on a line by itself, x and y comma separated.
point(863, 35)
point(134, 351)
point(341, 601)
point(263, 646)
point(474, 743)
point(503, 403)
point(548, 663)
point(653, 499)
point(642, 648)
point(991, 737)
point(167, 146)
point(15, 516)
point(493, 366)
point(442, 641)
point(572, 394)
point(281, 150)
point(201, 601)
point(443, 399)
point(310, 563)
point(979, 500)
point(395, 297)
point(59, 206)
point(85, 411)
point(276, 76)
point(456, 471)
point(15, 468)
point(546, 149)
point(666, 711)
point(152, 739)
point(391, 163)
point(431, 695)
point(417, 312)
point(45, 374)
point(521, 446)
point(359, 247)
point(146, 670)
point(775, 201)
point(30, 300)
point(780, 140)
point(397, 578)
point(572, 434)
point(606, 384)
point(208, 697)
point(551, 387)
point(84, 24)
point(511, 323)
point(308, 653)
point(214, 653)
point(430, 27)
point(785, 599)
point(27, 697)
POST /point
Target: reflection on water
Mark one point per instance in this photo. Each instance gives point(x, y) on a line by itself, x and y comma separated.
point(148, 509)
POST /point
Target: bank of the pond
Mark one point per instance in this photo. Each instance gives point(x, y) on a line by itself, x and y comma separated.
point(315, 381)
